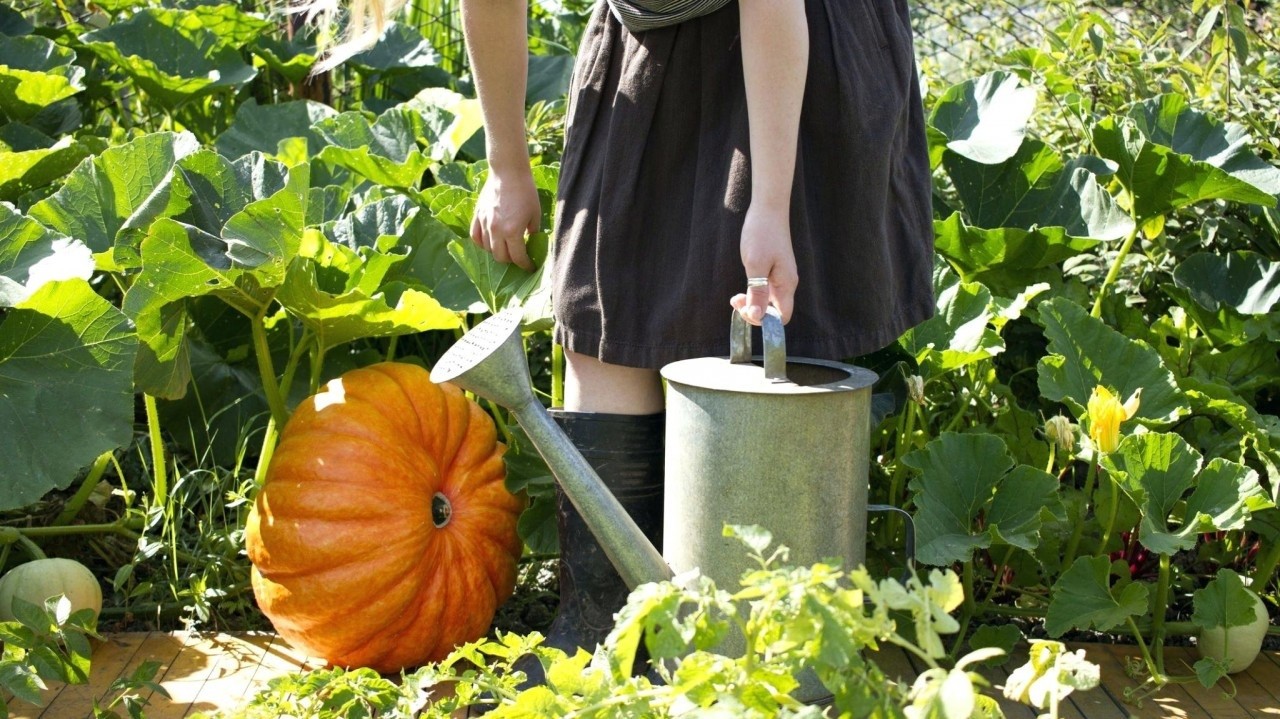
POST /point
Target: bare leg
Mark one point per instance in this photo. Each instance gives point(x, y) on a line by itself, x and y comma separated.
point(593, 386)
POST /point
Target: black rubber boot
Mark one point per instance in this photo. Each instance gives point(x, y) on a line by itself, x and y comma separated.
point(627, 452)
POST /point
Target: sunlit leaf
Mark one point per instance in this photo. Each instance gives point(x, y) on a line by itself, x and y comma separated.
point(985, 119)
point(1084, 352)
point(66, 366)
point(32, 255)
point(263, 127)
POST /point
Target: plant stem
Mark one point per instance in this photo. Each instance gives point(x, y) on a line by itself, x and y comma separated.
point(1074, 543)
point(13, 535)
point(1005, 611)
point(1159, 608)
point(267, 370)
point(81, 497)
point(391, 347)
point(1116, 266)
point(557, 375)
point(968, 609)
point(159, 469)
point(1157, 675)
point(317, 366)
point(268, 450)
point(117, 527)
point(1264, 568)
point(1000, 569)
point(1111, 515)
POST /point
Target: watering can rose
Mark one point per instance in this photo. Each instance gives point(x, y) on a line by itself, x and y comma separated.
point(1106, 413)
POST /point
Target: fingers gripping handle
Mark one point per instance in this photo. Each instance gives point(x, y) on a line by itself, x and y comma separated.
point(775, 342)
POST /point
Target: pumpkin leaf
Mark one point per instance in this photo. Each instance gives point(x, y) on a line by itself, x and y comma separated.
point(1157, 469)
point(66, 358)
point(1170, 121)
point(117, 193)
point(170, 55)
point(336, 319)
point(1035, 189)
point(292, 57)
point(1244, 282)
point(965, 477)
point(32, 255)
point(500, 284)
point(225, 404)
point(430, 265)
point(549, 78)
point(984, 119)
point(1223, 603)
point(12, 23)
point(264, 127)
point(35, 72)
point(28, 166)
point(1085, 352)
point(960, 333)
point(1159, 179)
point(401, 48)
point(1083, 598)
point(385, 152)
point(1006, 259)
point(232, 26)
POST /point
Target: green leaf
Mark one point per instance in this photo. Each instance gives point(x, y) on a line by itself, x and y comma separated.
point(1035, 189)
point(1082, 598)
point(30, 168)
point(385, 152)
point(1223, 603)
point(1244, 282)
point(32, 255)
point(35, 72)
point(340, 318)
point(432, 268)
point(1160, 180)
point(1007, 259)
point(291, 57)
point(1157, 469)
point(985, 119)
point(263, 127)
point(501, 285)
point(1085, 352)
point(960, 333)
point(224, 408)
point(400, 48)
point(118, 192)
point(1169, 120)
point(549, 77)
point(1004, 637)
point(965, 477)
point(230, 25)
point(12, 23)
point(66, 360)
point(21, 678)
point(170, 55)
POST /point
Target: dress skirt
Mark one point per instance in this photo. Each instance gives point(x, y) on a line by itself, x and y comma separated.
point(655, 182)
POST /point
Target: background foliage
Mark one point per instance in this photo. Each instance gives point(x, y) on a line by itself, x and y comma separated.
point(195, 234)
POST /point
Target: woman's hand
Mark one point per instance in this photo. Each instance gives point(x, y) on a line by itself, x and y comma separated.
point(766, 252)
point(506, 209)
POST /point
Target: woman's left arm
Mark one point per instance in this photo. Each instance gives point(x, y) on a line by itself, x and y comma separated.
point(775, 61)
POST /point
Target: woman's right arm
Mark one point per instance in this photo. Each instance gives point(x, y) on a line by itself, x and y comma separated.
point(508, 206)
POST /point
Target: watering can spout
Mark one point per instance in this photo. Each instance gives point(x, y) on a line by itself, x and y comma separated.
point(489, 361)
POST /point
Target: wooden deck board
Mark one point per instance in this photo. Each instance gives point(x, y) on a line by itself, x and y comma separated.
point(219, 671)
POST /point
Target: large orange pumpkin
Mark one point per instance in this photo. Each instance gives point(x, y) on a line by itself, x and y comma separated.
point(384, 536)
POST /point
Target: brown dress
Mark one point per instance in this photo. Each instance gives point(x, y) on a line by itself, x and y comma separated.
point(655, 182)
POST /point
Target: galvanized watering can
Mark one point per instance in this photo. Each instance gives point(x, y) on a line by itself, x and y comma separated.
point(784, 447)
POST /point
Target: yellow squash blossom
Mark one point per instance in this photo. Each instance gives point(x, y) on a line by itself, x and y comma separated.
point(1105, 415)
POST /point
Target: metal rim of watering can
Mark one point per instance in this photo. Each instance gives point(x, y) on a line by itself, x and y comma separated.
point(739, 376)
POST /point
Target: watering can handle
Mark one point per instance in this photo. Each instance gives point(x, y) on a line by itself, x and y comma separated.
point(775, 342)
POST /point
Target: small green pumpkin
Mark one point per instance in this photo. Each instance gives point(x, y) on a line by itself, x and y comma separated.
point(40, 579)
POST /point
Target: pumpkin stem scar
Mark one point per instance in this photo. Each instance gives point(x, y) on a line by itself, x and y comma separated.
point(441, 510)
